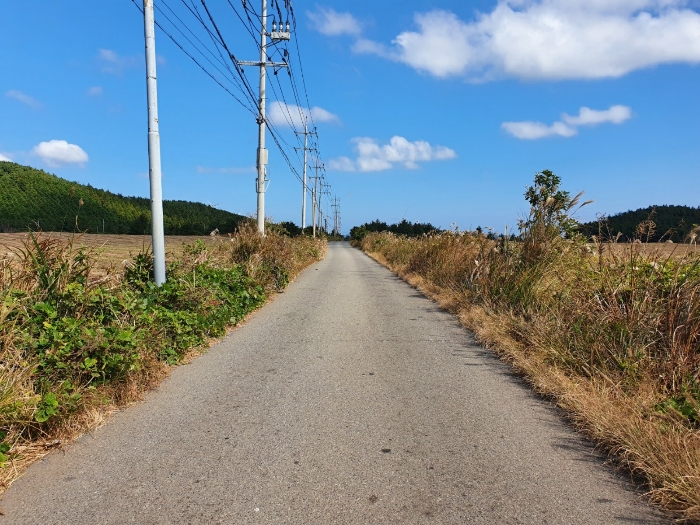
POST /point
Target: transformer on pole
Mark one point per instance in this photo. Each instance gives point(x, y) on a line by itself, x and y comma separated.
point(261, 161)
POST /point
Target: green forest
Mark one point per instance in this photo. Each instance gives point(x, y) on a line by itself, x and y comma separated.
point(34, 199)
point(651, 224)
point(402, 228)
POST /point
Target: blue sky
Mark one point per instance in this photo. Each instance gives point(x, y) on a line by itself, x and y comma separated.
point(437, 111)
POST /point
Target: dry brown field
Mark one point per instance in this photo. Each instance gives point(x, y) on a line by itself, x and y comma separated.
point(652, 249)
point(109, 250)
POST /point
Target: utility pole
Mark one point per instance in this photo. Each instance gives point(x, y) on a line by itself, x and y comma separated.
point(323, 224)
point(261, 161)
point(306, 134)
point(336, 206)
point(315, 204)
point(154, 171)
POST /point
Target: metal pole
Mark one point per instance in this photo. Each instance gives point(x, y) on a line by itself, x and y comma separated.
point(303, 189)
point(154, 172)
point(262, 152)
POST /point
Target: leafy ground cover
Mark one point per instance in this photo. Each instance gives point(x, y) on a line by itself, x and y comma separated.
point(611, 333)
point(78, 341)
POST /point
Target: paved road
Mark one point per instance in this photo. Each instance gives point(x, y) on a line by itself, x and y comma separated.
point(350, 399)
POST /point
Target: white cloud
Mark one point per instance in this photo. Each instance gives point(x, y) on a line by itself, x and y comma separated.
point(115, 64)
point(56, 153)
point(548, 39)
point(95, 91)
point(529, 130)
point(282, 114)
point(23, 98)
point(341, 164)
point(5, 158)
point(329, 22)
point(362, 45)
point(590, 117)
point(399, 151)
point(567, 127)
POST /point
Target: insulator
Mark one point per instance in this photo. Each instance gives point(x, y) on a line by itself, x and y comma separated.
point(287, 26)
point(274, 26)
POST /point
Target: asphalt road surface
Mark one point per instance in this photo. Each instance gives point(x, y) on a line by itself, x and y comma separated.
point(350, 399)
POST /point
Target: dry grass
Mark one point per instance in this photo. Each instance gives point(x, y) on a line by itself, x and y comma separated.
point(110, 250)
point(615, 339)
point(93, 287)
point(654, 249)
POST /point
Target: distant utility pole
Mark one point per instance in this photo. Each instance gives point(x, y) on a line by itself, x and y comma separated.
point(154, 172)
point(336, 207)
point(320, 202)
point(314, 197)
point(306, 134)
point(261, 162)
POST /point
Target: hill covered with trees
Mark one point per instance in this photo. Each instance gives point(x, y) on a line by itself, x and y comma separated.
point(31, 198)
point(669, 222)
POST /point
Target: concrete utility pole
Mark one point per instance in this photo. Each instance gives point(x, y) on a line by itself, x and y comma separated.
point(336, 206)
point(261, 161)
point(313, 205)
point(315, 201)
point(154, 171)
point(306, 134)
point(324, 191)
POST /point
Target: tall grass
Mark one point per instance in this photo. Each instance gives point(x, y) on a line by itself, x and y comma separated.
point(77, 344)
point(611, 331)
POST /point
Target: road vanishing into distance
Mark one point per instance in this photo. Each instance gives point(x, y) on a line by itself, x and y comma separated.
point(349, 399)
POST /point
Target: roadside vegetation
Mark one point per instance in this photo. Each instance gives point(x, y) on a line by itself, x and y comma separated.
point(76, 343)
point(610, 331)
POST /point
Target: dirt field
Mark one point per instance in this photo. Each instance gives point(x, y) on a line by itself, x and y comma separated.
point(114, 250)
point(110, 250)
point(658, 249)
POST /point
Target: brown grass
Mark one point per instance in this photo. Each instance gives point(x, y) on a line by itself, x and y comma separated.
point(613, 339)
point(272, 262)
point(110, 250)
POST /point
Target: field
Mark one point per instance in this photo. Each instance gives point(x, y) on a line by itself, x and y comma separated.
point(114, 250)
point(110, 250)
point(653, 249)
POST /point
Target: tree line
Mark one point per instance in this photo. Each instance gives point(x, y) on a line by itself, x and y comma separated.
point(37, 200)
point(409, 229)
point(650, 224)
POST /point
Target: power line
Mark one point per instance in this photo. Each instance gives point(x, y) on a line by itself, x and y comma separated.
point(226, 69)
point(207, 72)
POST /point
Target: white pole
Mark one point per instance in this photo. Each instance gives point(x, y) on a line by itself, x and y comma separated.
point(154, 172)
point(313, 205)
point(303, 189)
point(262, 152)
